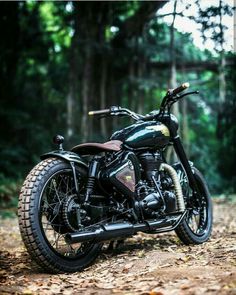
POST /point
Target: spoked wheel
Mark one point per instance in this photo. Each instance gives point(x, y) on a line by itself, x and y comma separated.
point(58, 214)
point(197, 225)
point(48, 209)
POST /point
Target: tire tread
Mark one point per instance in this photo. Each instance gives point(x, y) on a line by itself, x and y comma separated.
point(27, 224)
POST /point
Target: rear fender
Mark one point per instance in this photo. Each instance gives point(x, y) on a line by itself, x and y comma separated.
point(71, 158)
point(67, 156)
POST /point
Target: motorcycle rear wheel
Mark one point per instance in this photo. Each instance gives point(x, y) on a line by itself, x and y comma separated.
point(197, 225)
point(45, 216)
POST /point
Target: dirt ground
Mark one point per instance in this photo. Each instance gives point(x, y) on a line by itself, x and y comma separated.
point(145, 264)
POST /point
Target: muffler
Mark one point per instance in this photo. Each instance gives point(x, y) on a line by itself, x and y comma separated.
point(111, 231)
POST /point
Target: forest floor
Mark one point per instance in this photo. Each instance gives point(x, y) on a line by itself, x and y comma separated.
point(145, 264)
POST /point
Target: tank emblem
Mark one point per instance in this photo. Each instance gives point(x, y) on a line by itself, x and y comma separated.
point(162, 128)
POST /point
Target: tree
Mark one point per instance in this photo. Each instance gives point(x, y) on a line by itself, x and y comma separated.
point(58, 61)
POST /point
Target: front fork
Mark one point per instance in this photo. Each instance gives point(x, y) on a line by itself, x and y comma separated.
point(185, 163)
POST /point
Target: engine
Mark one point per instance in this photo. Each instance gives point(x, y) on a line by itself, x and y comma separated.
point(151, 201)
point(155, 192)
point(150, 163)
point(138, 179)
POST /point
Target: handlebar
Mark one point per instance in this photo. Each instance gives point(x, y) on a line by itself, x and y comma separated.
point(178, 89)
point(99, 112)
point(170, 98)
point(116, 111)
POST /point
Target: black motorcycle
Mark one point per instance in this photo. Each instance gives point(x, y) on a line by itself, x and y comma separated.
point(73, 201)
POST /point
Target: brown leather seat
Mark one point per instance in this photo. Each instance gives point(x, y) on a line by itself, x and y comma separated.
point(89, 148)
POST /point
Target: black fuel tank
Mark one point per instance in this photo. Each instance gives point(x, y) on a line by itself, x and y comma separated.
point(144, 135)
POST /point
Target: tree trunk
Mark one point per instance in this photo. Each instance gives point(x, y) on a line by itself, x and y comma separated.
point(70, 103)
point(141, 66)
point(173, 81)
point(103, 95)
point(185, 127)
point(105, 19)
point(222, 83)
point(142, 72)
point(171, 156)
point(72, 95)
point(87, 36)
point(130, 92)
point(86, 92)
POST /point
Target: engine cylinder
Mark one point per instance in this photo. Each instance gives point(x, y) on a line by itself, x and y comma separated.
point(150, 163)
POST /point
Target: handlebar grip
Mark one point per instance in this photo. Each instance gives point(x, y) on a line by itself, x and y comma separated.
point(180, 88)
point(99, 112)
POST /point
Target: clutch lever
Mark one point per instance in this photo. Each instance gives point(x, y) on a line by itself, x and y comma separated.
point(178, 97)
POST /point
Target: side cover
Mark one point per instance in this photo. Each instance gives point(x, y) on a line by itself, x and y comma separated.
point(124, 174)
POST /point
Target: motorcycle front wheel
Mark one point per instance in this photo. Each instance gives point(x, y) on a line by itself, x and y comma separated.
point(197, 225)
point(47, 211)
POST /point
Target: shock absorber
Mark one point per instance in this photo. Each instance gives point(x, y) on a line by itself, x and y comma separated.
point(92, 175)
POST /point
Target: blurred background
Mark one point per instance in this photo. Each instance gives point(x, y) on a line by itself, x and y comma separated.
point(58, 60)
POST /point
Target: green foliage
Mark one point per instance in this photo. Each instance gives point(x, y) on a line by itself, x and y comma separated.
point(211, 25)
point(227, 131)
point(43, 60)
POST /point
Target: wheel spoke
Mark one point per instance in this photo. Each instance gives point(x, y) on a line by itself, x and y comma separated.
point(59, 189)
point(56, 191)
point(57, 237)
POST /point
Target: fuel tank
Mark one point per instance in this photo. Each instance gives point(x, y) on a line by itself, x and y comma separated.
point(144, 135)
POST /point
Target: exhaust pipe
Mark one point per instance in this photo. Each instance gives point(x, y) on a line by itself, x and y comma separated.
point(111, 231)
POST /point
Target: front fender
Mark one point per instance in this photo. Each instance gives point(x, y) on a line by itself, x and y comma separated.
point(65, 155)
